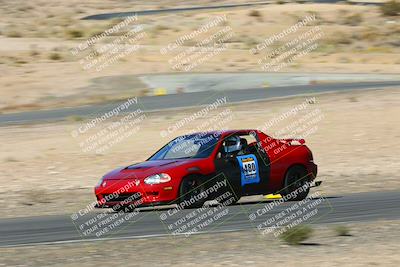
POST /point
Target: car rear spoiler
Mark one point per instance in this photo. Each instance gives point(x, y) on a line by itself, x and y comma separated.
point(292, 141)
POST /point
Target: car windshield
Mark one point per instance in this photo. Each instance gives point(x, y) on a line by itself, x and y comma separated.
point(188, 146)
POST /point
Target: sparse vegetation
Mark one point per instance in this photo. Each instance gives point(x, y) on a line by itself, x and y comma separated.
point(14, 34)
point(339, 38)
point(36, 196)
point(370, 34)
point(34, 53)
point(20, 61)
point(377, 49)
point(342, 230)
point(353, 99)
point(249, 41)
point(296, 235)
point(75, 118)
point(10, 159)
point(326, 49)
point(55, 56)
point(344, 60)
point(74, 34)
point(353, 20)
point(255, 13)
point(391, 8)
point(161, 28)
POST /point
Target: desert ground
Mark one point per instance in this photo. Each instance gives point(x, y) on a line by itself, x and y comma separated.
point(366, 244)
point(39, 71)
point(45, 171)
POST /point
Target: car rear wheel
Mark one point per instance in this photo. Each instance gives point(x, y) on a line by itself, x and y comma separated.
point(192, 192)
point(296, 181)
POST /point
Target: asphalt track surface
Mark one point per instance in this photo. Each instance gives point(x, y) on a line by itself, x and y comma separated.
point(106, 16)
point(195, 99)
point(58, 229)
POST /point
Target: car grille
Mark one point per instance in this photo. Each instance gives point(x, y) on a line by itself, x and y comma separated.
point(123, 197)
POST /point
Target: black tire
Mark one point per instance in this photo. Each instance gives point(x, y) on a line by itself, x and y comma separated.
point(191, 192)
point(295, 179)
point(235, 195)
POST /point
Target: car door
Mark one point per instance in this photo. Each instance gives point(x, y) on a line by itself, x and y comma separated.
point(228, 168)
point(247, 171)
point(264, 169)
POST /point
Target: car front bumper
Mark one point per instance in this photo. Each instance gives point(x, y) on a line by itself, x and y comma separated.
point(313, 170)
point(128, 193)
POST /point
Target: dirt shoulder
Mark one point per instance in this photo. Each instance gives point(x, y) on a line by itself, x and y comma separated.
point(45, 171)
point(367, 244)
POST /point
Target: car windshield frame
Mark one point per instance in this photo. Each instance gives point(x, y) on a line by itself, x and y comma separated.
point(210, 146)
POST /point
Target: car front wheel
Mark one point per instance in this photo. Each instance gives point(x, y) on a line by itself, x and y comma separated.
point(192, 192)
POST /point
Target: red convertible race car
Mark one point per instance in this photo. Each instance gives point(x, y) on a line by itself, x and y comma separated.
point(194, 168)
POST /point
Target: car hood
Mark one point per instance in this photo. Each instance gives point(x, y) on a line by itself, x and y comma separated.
point(146, 168)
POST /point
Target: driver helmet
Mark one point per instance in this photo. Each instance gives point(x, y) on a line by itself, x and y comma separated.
point(232, 144)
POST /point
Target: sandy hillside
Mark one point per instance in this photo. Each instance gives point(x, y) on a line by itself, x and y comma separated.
point(39, 71)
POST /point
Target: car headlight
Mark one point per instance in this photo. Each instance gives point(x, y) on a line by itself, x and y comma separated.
point(100, 182)
point(158, 178)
